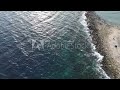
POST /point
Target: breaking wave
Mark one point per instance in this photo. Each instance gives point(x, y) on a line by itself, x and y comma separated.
point(95, 53)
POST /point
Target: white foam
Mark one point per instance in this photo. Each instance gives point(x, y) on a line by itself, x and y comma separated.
point(95, 53)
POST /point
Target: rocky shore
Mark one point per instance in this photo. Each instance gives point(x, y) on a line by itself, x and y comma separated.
point(107, 40)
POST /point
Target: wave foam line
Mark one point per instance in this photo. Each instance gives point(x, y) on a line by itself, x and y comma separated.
point(95, 53)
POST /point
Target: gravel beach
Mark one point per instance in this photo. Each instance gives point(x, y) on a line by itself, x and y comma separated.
point(106, 37)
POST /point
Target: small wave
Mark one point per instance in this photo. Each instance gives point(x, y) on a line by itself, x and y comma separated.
point(95, 53)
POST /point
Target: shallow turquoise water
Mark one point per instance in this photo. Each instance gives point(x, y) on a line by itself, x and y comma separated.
point(110, 16)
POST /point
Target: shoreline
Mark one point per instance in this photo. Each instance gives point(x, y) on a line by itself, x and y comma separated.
point(105, 37)
point(95, 52)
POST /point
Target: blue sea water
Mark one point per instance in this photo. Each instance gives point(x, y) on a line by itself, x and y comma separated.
point(47, 45)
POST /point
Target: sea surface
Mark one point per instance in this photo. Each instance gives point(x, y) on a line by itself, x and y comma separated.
point(47, 45)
